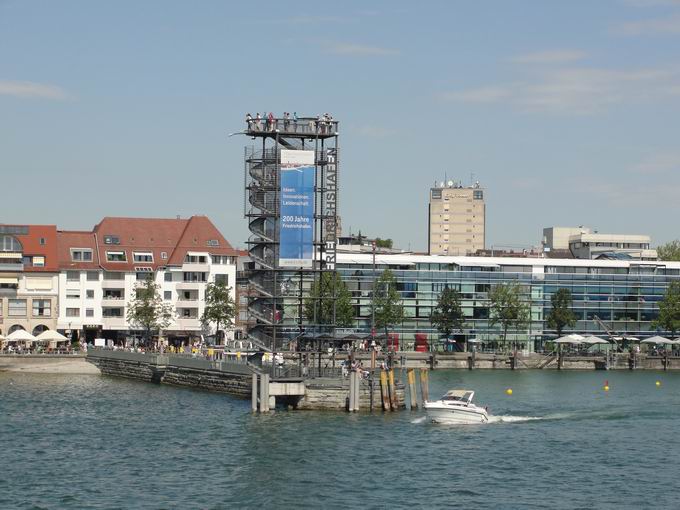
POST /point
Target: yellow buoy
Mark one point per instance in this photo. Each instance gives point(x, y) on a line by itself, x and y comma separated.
point(508, 391)
point(658, 383)
point(606, 388)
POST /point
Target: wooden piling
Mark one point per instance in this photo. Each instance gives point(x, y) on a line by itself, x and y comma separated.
point(254, 394)
point(385, 391)
point(394, 403)
point(357, 390)
point(350, 406)
point(413, 396)
point(264, 393)
point(424, 385)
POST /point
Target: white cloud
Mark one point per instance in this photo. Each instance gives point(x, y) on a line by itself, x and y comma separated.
point(361, 50)
point(659, 26)
point(660, 163)
point(549, 57)
point(31, 89)
point(479, 95)
point(576, 90)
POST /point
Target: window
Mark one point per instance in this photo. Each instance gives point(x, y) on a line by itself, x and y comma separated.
point(167, 295)
point(111, 240)
point(114, 276)
point(89, 294)
point(195, 259)
point(189, 313)
point(17, 307)
point(436, 194)
point(478, 194)
point(42, 241)
point(116, 256)
point(142, 256)
point(112, 312)
point(142, 276)
point(193, 276)
point(38, 261)
point(73, 294)
point(72, 276)
point(89, 312)
point(164, 255)
point(42, 308)
point(81, 254)
point(9, 243)
point(93, 276)
point(113, 293)
point(73, 312)
point(168, 276)
point(213, 242)
point(222, 278)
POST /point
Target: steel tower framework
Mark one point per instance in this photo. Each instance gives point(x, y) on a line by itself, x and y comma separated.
point(277, 294)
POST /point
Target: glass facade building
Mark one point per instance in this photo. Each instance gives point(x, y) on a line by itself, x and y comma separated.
point(623, 295)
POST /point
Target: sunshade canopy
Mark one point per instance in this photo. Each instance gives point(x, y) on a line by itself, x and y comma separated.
point(572, 339)
point(660, 340)
point(51, 336)
point(20, 335)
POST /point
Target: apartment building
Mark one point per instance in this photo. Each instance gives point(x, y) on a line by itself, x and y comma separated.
point(456, 219)
point(99, 270)
point(28, 278)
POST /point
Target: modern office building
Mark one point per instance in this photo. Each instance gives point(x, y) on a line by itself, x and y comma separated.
point(456, 219)
point(28, 278)
point(615, 295)
point(99, 269)
point(583, 243)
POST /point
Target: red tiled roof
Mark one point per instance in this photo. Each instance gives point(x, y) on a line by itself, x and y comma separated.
point(31, 246)
point(72, 239)
point(198, 233)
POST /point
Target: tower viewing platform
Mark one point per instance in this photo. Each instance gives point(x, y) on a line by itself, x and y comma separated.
point(302, 127)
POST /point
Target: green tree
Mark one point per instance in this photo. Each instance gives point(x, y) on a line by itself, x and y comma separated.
point(669, 310)
point(561, 316)
point(507, 307)
point(219, 307)
point(147, 310)
point(448, 314)
point(386, 302)
point(383, 243)
point(319, 304)
point(669, 251)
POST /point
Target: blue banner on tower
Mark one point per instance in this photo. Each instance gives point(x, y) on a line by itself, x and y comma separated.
point(296, 236)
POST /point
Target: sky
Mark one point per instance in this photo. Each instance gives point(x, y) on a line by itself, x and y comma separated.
point(567, 112)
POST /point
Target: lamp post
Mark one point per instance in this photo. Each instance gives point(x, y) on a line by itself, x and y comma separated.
point(373, 296)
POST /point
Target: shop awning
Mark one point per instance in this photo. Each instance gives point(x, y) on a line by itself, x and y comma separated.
point(14, 281)
point(10, 255)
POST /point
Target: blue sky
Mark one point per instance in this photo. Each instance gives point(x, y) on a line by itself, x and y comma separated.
point(567, 112)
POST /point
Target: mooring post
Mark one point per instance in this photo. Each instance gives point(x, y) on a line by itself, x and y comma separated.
point(370, 388)
point(350, 405)
point(413, 396)
point(357, 390)
point(393, 391)
point(254, 394)
point(424, 385)
point(385, 393)
point(264, 393)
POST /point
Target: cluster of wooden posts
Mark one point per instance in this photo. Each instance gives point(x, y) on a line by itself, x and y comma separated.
point(388, 390)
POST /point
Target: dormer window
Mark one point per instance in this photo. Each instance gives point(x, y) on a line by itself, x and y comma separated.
point(195, 259)
point(111, 240)
point(81, 255)
point(116, 256)
point(213, 242)
point(9, 243)
point(142, 256)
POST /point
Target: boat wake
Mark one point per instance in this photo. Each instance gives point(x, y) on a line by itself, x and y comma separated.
point(419, 420)
point(513, 419)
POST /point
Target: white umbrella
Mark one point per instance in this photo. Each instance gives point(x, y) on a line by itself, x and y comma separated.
point(20, 335)
point(595, 340)
point(657, 340)
point(51, 335)
point(475, 341)
point(572, 339)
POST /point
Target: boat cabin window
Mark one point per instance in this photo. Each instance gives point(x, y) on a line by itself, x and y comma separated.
point(465, 397)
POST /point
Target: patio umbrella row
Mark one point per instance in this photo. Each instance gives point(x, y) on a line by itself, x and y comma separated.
point(21, 335)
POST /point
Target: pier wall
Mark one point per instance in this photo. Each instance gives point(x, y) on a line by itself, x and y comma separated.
point(332, 394)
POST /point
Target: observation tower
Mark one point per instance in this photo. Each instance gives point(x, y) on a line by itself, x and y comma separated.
point(291, 204)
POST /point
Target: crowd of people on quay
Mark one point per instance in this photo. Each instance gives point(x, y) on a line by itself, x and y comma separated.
point(290, 123)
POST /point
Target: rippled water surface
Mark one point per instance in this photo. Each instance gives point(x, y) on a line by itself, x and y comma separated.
point(559, 441)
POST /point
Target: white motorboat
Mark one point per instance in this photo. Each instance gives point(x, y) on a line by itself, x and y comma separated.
point(456, 407)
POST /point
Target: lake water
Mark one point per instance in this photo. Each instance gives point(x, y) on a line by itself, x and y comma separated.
point(559, 441)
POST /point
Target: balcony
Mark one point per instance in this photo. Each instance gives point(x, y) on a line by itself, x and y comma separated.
point(114, 323)
point(199, 267)
point(10, 266)
point(113, 284)
point(113, 301)
point(189, 285)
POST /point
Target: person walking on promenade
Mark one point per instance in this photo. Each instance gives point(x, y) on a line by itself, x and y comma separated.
point(286, 121)
point(270, 121)
point(249, 121)
point(295, 121)
point(258, 122)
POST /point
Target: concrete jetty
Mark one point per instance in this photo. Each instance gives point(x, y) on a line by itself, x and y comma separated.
point(267, 386)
